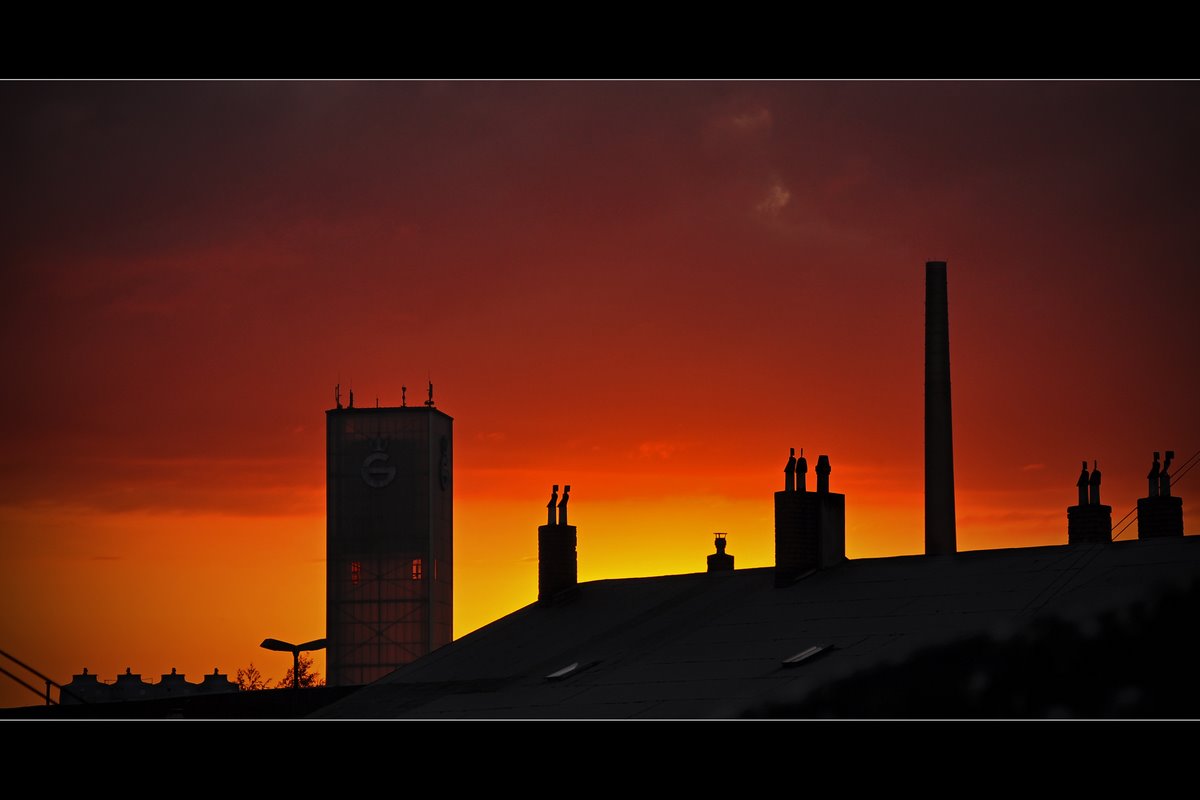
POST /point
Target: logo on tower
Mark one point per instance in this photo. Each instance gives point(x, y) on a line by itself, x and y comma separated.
point(444, 470)
point(376, 472)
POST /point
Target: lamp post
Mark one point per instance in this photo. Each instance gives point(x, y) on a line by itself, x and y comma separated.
point(294, 649)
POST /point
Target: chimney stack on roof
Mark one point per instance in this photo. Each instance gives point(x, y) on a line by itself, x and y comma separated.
point(720, 561)
point(558, 574)
point(810, 527)
point(1089, 521)
point(1159, 514)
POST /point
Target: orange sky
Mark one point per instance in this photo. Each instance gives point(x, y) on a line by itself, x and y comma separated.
point(646, 290)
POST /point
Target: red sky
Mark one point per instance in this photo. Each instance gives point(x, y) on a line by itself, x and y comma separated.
point(646, 290)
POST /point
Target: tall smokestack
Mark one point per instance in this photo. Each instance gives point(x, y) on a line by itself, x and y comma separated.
point(940, 536)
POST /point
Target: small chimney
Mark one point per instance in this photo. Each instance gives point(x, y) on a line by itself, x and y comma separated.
point(1160, 513)
point(720, 561)
point(1089, 521)
point(810, 527)
point(557, 558)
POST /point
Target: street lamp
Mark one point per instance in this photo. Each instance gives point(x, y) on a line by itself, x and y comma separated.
point(294, 649)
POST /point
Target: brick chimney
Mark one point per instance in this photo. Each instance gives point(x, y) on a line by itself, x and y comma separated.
point(1159, 513)
point(1089, 521)
point(558, 575)
point(810, 527)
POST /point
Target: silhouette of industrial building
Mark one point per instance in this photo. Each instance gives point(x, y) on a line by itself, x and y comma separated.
point(389, 537)
point(763, 641)
point(979, 633)
point(729, 643)
point(1095, 627)
point(767, 641)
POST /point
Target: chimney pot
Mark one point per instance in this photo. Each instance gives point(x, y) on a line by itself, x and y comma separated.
point(557, 555)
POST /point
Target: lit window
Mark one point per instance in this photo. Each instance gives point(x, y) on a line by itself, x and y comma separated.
point(416, 569)
point(355, 570)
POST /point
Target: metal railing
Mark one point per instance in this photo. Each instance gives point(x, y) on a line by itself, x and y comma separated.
point(48, 681)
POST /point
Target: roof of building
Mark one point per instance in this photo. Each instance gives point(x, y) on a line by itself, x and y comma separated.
point(714, 645)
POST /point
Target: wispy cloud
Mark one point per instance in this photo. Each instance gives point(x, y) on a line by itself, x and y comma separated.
point(739, 126)
point(752, 120)
point(657, 449)
point(777, 197)
point(1032, 467)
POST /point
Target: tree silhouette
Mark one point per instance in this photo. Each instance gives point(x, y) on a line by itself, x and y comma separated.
point(251, 679)
point(308, 678)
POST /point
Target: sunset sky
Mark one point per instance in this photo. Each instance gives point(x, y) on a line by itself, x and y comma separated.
point(648, 290)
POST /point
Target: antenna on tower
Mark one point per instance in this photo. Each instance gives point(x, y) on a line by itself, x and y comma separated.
point(337, 394)
point(429, 402)
point(403, 397)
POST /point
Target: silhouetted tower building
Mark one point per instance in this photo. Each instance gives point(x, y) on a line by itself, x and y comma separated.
point(940, 535)
point(1089, 521)
point(1158, 513)
point(389, 538)
point(810, 527)
point(558, 559)
point(720, 561)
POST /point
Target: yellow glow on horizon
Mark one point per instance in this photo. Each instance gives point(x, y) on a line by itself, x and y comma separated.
point(152, 591)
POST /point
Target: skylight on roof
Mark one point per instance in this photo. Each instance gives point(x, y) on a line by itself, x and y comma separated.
point(806, 655)
point(564, 672)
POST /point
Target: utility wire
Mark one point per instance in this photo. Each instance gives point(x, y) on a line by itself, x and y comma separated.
point(1181, 470)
